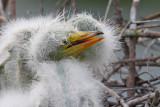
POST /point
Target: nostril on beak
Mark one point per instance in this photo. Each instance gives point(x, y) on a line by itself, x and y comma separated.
point(99, 33)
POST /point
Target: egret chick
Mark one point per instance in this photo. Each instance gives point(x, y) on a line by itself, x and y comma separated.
point(51, 59)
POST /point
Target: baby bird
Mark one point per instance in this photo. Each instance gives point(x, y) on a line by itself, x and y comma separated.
point(50, 62)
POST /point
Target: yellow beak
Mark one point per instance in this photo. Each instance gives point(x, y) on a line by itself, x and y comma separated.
point(80, 41)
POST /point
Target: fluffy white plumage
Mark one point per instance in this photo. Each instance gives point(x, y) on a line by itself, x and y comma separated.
point(101, 54)
point(65, 83)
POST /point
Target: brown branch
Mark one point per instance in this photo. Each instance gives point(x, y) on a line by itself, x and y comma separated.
point(116, 96)
point(124, 43)
point(151, 16)
point(5, 2)
point(155, 101)
point(141, 99)
point(113, 71)
point(74, 6)
point(117, 12)
point(141, 33)
point(56, 8)
point(12, 9)
point(145, 21)
point(41, 7)
point(119, 21)
point(154, 64)
point(132, 45)
point(66, 2)
point(131, 60)
point(2, 13)
point(148, 26)
point(147, 81)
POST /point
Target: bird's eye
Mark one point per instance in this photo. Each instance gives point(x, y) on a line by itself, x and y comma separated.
point(65, 41)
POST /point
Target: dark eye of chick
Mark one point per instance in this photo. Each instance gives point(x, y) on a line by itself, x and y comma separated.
point(65, 41)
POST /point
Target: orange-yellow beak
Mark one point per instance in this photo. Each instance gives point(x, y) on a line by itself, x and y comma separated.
point(80, 41)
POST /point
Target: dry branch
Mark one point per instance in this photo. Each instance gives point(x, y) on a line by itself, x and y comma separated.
point(141, 99)
point(154, 58)
point(151, 16)
point(155, 64)
point(116, 96)
point(107, 10)
point(145, 33)
point(12, 9)
point(41, 7)
point(148, 26)
point(132, 45)
point(74, 6)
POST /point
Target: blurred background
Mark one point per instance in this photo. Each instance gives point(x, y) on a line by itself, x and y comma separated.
point(96, 7)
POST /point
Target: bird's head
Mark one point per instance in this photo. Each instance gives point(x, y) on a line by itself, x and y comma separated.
point(76, 42)
point(101, 54)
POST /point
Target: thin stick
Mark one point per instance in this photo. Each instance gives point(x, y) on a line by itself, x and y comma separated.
point(141, 99)
point(107, 10)
point(116, 96)
point(148, 26)
point(56, 7)
point(146, 21)
point(1, 9)
point(12, 9)
point(74, 6)
point(151, 16)
point(130, 60)
point(41, 7)
point(117, 12)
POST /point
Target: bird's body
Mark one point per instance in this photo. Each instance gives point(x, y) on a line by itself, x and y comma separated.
point(40, 64)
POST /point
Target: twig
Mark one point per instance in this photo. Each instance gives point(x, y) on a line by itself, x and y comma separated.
point(145, 33)
point(12, 9)
point(151, 16)
point(155, 101)
point(140, 99)
point(41, 7)
point(113, 71)
point(66, 2)
point(107, 10)
point(148, 26)
point(154, 64)
point(147, 81)
point(116, 96)
point(146, 21)
point(4, 2)
point(154, 58)
point(2, 13)
point(117, 12)
point(124, 29)
point(148, 47)
point(74, 6)
point(56, 7)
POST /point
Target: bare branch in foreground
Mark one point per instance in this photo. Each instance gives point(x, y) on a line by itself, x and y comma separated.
point(116, 96)
point(141, 99)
